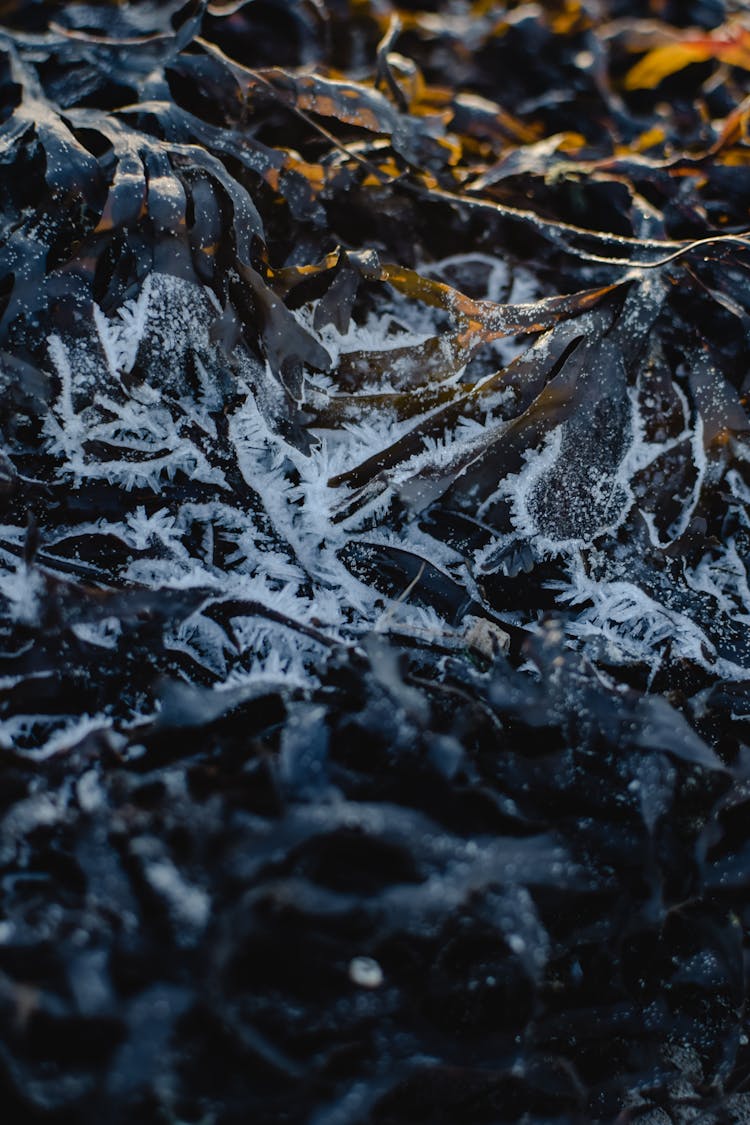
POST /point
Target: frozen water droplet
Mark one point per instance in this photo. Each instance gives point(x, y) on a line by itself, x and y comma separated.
point(366, 972)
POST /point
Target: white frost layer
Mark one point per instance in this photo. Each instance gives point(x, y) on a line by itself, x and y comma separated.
point(138, 396)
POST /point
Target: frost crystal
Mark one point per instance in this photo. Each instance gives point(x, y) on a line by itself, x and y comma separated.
point(273, 551)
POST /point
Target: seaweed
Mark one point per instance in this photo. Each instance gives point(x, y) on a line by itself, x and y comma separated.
point(374, 673)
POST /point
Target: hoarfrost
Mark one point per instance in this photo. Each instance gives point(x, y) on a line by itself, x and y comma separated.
point(220, 500)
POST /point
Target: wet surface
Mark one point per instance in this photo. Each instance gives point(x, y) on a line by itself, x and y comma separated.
point(374, 673)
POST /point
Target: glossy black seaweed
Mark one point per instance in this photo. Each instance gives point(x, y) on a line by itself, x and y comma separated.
point(374, 664)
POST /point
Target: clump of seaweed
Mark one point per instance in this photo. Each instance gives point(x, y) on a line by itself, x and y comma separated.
point(375, 468)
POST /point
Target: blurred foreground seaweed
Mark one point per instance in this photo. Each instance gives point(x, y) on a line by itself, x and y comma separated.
point(375, 485)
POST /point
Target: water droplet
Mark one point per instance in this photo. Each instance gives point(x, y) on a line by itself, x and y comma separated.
point(366, 972)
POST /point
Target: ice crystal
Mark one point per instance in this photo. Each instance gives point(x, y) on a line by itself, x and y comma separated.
point(282, 560)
